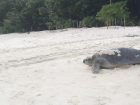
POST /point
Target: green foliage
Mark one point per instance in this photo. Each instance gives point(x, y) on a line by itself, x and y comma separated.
point(90, 21)
point(27, 14)
point(116, 10)
point(68, 23)
point(61, 23)
point(7, 27)
point(50, 25)
point(15, 15)
point(57, 14)
point(71, 9)
point(131, 22)
point(38, 13)
point(4, 8)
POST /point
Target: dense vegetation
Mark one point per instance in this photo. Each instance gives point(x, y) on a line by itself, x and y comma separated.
point(25, 15)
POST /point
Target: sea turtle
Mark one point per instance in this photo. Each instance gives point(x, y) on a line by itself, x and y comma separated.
point(112, 58)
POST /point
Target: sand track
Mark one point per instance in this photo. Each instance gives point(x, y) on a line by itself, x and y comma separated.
point(59, 51)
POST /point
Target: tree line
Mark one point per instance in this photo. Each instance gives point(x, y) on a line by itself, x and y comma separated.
point(26, 15)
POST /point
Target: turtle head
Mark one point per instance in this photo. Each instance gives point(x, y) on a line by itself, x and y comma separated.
point(88, 61)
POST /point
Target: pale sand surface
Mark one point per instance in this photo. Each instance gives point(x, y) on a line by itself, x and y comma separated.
point(46, 68)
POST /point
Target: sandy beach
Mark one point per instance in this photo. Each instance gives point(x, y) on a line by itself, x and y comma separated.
point(46, 68)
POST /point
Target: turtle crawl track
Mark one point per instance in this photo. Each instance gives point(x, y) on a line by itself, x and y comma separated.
point(61, 50)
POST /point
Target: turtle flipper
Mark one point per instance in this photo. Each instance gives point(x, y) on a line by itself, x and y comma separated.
point(95, 67)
